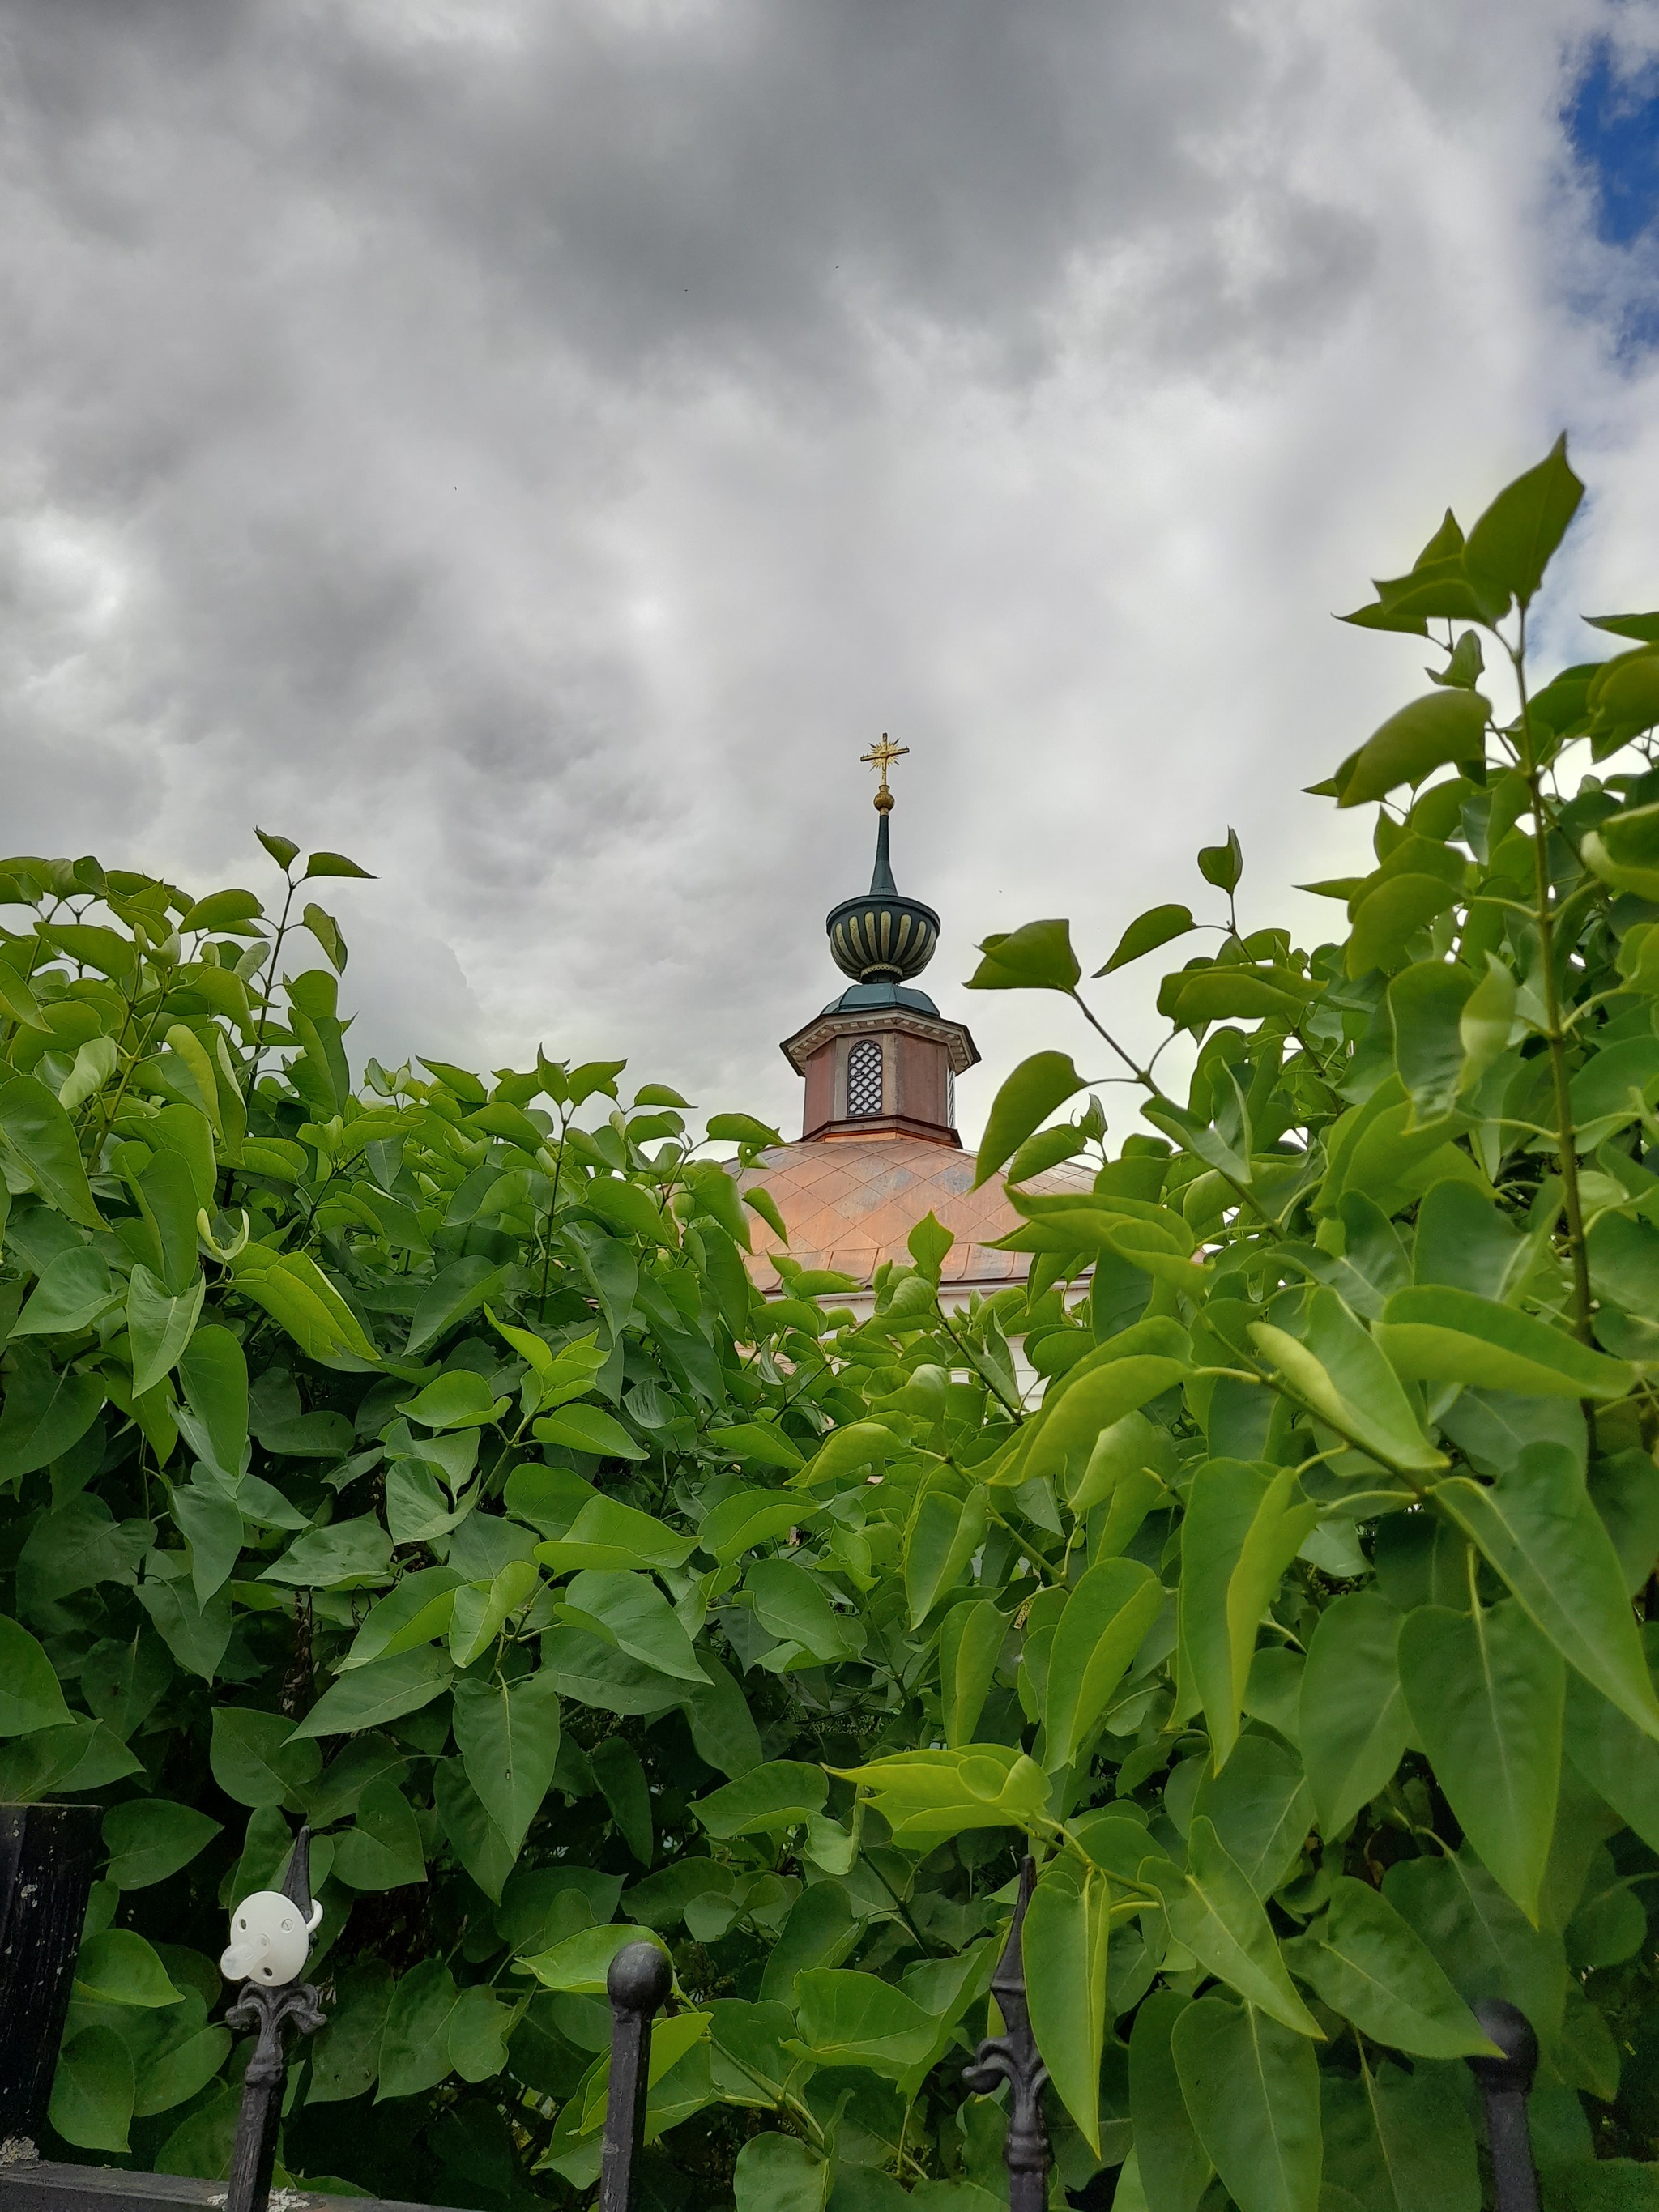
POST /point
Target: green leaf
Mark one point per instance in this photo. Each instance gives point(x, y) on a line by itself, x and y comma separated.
point(211, 1526)
point(1614, 1758)
point(346, 2057)
point(607, 1534)
point(780, 2174)
point(1485, 1693)
point(419, 1610)
point(627, 1207)
point(92, 2091)
point(1260, 1808)
point(222, 910)
point(333, 864)
point(1399, 2141)
point(42, 1136)
point(179, 2070)
point(458, 1400)
point(765, 1801)
point(47, 1411)
point(741, 1129)
point(252, 1761)
point(1157, 926)
point(29, 1696)
point(1241, 1529)
point(1105, 1622)
point(1388, 918)
point(1036, 957)
point(944, 1532)
point(17, 1002)
point(757, 1440)
point(213, 1370)
point(1252, 2088)
point(970, 1641)
point(1441, 726)
point(793, 1605)
point(1353, 1726)
point(118, 1967)
point(744, 1518)
point(1541, 1532)
point(1430, 1333)
point(1222, 865)
point(383, 1850)
point(1369, 1965)
point(477, 1842)
point(73, 1291)
point(848, 2018)
point(1196, 996)
point(196, 1633)
point(459, 1290)
point(1046, 1150)
point(1336, 1368)
point(580, 1963)
point(385, 1690)
point(1025, 1100)
point(1426, 1005)
point(1486, 1020)
point(1510, 547)
point(1480, 1938)
point(344, 1555)
point(480, 1613)
point(1213, 1910)
point(415, 2045)
point(1174, 2167)
point(326, 931)
point(588, 1429)
point(148, 1838)
point(294, 1289)
point(508, 1734)
point(1064, 1947)
point(159, 1324)
point(630, 1611)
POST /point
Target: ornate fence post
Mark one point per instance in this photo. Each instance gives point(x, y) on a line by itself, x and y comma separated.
point(47, 1853)
point(1012, 2057)
point(639, 1980)
point(270, 1935)
point(1504, 2083)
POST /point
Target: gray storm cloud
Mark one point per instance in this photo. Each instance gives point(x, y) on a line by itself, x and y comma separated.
point(536, 449)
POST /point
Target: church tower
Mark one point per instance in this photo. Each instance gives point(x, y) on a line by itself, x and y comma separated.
point(880, 1148)
point(881, 1059)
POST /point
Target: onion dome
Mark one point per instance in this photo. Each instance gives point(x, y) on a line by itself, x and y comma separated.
point(883, 937)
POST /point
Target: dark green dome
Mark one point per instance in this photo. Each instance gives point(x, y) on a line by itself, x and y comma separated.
point(882, 936)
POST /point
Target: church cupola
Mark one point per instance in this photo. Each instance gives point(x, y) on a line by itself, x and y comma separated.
point(881, 1059)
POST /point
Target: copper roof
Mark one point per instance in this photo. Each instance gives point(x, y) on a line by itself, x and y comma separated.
point(850, 1203)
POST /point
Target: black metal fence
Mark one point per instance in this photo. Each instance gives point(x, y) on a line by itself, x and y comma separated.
point(47, 1854)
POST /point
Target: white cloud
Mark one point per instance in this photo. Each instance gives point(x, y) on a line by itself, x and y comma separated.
point(535, 451)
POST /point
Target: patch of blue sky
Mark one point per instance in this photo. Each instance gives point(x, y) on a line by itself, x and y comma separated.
point(1611, 121)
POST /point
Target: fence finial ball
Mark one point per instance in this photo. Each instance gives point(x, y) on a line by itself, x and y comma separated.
point(269, 1940)
point(639, 1978)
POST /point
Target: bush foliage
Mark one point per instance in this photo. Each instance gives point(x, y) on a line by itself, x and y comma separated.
point(418, 1460)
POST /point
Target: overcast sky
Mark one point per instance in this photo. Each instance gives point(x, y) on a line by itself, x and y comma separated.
point(536, 446)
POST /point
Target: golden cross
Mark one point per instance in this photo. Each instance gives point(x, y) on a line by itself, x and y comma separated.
point(881, 757)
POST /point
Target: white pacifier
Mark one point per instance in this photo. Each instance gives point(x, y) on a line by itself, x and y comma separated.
point(270, 1939)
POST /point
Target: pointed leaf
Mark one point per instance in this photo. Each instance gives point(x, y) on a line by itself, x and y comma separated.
point(1539, 1530)
point(1253, 2090)
point(1486, 1693)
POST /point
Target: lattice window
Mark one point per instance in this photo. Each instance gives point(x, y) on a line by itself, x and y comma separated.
point(864, 1077)
point(950, 1098)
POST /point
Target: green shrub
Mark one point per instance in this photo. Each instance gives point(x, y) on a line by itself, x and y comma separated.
point(420, 1463)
